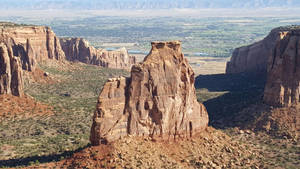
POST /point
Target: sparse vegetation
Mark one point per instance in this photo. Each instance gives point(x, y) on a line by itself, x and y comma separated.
point(68, 128)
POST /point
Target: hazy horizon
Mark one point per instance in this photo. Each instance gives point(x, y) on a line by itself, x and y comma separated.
point(145, 4)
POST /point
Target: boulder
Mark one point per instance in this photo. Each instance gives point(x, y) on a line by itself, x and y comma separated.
point(158, 100)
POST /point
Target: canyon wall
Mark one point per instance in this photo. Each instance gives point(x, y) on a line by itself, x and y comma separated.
point(283, 78)
point(78, 49)
point(252, 58)
point(277, 57)
point(22, 47)
point(158, 100)
point(31, 44)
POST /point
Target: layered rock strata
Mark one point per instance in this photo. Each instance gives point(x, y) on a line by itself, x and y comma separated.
point(283, 78)
point(22, 47)
point(158, 100)
point(78, 49)
point(32, 44)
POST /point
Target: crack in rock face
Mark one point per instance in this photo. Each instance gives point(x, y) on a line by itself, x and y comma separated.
point(158, 100)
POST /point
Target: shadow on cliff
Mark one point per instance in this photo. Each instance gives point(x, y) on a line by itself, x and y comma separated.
point(21, 162)
point(240, 91)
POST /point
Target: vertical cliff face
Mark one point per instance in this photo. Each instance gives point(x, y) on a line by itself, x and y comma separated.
point(78, 49)
point(253, 58)
point(283, 79)
point(22, 47)
point(276, 56)
point(158, 100)
point(31, 44)
point(10, 72)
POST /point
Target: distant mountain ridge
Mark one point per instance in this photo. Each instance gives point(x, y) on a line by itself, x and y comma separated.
point(143, 4)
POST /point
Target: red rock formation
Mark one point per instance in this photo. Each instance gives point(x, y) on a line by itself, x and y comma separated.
point(22, 47)
point(78, 49)
point(31, 44)
point(158, 100)
point(276, 56)
point(283, 79)
point(253, 58)
point(10, 73)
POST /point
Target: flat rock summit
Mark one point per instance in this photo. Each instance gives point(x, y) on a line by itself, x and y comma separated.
point(158, 100)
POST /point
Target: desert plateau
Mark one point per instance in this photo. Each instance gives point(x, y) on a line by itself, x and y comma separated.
point(150, 84)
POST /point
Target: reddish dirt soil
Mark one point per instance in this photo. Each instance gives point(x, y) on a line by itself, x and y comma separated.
point(21, 107)
point(38, 76)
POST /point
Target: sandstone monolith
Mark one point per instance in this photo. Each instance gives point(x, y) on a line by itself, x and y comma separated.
point(158, 100)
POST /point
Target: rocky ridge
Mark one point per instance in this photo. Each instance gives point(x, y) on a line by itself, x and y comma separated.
point(158, 100)
point(78, 49)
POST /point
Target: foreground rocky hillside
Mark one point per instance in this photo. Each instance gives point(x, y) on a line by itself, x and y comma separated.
point(158, 100)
